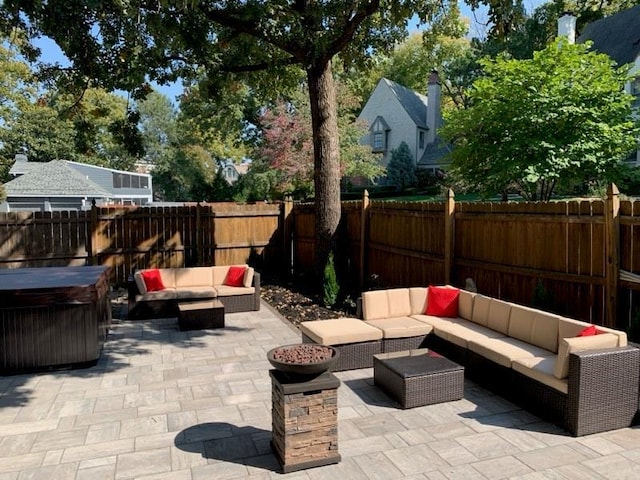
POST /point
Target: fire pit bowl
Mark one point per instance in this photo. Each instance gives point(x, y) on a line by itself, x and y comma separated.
point(303, 358)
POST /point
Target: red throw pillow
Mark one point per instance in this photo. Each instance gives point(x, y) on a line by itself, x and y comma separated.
point(588, 331)
point(152, 280)
point(442, 301)
point(235, 276)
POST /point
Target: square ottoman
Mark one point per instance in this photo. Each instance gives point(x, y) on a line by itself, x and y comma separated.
point(418, 377)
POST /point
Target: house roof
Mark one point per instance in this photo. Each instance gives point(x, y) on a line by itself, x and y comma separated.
point(414, 103)
point(53, 179)
point(618, 35)
point(434, 153)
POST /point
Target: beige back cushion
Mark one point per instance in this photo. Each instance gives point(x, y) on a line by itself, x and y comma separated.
point(418, 298)
point(375, 305)
point(499, 312)
point(248, 277)
point(577, 344)
point(521, 322)
point(219, 274)
point(481, 310)
point(394, 302)
point(168, 276)
point(545, 331)
point(399, 302)
point(465, 304)
point(193, 277)
point(142, 287)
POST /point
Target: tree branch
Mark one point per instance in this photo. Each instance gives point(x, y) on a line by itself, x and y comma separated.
point(249, 27)
point(259, 66)
point(348, 31)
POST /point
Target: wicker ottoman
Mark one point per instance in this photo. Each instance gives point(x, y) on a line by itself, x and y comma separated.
point(418, 377)
point(200, 315)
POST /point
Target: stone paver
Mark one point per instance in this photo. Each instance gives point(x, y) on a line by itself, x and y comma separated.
point(165, 404)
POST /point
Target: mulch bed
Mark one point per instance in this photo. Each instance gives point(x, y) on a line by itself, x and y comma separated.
point(296, 301)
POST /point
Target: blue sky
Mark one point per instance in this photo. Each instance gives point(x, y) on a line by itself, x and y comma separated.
point(51, 52)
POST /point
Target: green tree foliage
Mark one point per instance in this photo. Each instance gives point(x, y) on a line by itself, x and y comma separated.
point(261, 182)
point(401, 169)
point(158, 126)
point(122, 44)
point(559, 118)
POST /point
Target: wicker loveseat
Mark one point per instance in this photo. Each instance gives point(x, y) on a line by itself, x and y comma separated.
point(192, 283)
point(586, 384)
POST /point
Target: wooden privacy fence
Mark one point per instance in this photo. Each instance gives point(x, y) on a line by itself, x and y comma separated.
point(577, 258)
point(564, 256)
point(128, 238)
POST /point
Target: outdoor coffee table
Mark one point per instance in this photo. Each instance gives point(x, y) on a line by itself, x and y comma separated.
point(418, 377)
point(201, 314)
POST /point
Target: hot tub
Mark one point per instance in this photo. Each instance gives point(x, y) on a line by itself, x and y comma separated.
point(52, 317)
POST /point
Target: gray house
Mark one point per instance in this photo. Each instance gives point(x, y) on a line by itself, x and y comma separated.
point(64, 185)
point(619, 37)
point(397, 114)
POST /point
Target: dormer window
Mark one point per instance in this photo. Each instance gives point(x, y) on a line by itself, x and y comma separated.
point(379, 132)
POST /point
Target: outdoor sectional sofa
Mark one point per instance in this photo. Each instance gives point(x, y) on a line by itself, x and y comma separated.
point(585, 384)
point(192, 283)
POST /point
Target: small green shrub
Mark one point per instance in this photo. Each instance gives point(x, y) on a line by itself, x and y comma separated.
point(330, 286)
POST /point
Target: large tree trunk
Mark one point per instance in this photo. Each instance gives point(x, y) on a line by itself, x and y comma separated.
point(326, 154)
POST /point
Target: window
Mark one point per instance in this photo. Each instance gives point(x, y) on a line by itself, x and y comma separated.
point(378, 141)
point(421, 140)
point(123, 180)
point(635, 91)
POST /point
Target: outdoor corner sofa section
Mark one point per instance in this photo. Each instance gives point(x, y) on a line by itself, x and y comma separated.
point(585, 384)
point(191, 284)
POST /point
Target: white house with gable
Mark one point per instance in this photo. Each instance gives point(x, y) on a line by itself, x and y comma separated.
point(397, 114)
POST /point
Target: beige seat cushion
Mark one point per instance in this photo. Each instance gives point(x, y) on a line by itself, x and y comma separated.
point(504, 350)
point(460, 333)
point(196, 292)
point(577, 344)
point(339, 331)
point(226, 290)
point(166, 294)
point(400, 327)
point(541, 369)
point(193, 277)
point(441, 325)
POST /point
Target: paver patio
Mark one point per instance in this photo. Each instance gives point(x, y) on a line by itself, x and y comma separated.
point(165, 404)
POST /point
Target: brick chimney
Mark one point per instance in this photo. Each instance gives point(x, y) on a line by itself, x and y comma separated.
point(434, 107)
point(567, 26)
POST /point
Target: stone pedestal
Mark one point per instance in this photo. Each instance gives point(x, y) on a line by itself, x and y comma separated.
point(304, 420)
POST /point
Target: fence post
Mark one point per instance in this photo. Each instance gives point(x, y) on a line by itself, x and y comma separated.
point(364, 231)
point(287, 230)
point(449, 225)
point(91, 234)
point(612, 253)
point(199, 253)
